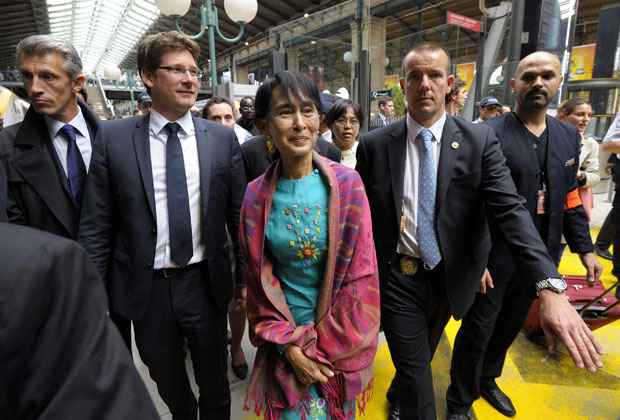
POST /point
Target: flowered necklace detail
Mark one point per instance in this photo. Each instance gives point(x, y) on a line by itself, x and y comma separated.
point(305, 236)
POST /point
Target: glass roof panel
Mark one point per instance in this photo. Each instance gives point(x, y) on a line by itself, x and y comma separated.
point(103, 31)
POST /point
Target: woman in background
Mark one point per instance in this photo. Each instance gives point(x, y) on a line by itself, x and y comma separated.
point(344, 119)
point(578, 113)
point(313, 289)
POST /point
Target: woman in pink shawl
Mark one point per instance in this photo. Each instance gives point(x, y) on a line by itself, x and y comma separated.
point(313, 292)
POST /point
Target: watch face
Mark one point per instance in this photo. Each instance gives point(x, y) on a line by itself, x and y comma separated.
point(558, 284)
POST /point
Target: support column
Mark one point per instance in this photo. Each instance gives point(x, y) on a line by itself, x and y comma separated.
point(242, 74)
point(292, 59)
point(373, 40)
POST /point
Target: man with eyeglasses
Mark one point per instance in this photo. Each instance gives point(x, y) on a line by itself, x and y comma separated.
point(165, 188)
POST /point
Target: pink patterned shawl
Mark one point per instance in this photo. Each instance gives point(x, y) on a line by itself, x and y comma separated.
point(345, 335)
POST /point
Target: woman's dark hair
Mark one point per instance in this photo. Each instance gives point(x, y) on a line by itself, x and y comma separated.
point(293, 84)
point(568, 106)
point(456, 87)
point(340, 108)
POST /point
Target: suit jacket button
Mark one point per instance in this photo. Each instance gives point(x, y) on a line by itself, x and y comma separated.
point(153, 231)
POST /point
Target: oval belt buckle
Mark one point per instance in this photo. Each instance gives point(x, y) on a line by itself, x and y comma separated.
point(408, 266)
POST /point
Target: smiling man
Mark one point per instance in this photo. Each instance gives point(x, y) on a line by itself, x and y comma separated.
point(47, 155)
point(164, 188)
point(431, 179)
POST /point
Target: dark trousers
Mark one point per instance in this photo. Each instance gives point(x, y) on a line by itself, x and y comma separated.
point(414, 313)
point(487, 331)
point(608, 231)
point(180, 309)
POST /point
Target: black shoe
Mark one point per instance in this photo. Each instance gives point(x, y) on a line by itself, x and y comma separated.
point(603, 253)
point(500, 401)
point(457, 416)
point(241, 371)
point(394, 413)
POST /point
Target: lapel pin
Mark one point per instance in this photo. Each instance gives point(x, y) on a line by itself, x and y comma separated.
point(455, 145)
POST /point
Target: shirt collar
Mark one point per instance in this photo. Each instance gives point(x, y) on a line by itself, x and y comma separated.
point(413, 128)
point(158, 122)
point(78, 122)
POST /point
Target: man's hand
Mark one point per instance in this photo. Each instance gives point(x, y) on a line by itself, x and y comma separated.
point(560, 320)
point(486, 281)
point(307, 370)
point(593, 268)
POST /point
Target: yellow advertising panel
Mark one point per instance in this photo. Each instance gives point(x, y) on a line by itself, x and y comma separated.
point(581, 62)
point(391, 80)
point(466, 72)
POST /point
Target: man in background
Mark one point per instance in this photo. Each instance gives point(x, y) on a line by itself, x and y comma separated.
point(246, 109)
point(385, 116)
point(490, 107)
point(222, 111)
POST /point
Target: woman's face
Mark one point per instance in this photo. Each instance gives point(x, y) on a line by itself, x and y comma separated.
point(293, 124)
point(580, 117)
point(460, 97)
point(345, 130)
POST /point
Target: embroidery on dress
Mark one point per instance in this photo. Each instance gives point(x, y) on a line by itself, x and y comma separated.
point(305, 230)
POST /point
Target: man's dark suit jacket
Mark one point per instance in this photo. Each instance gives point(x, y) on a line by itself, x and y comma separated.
point(472, 179)
point(564, 143)
point(60, 355)
point(256, 158)
point(118, 227)
point(3, 194)
point(38, 192)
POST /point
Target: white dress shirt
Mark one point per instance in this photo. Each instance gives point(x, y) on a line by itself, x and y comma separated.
point(613, 133)
point(61, 144)
point(348, 157)
point(408, 240)
point(158, 138)
point(242, 134)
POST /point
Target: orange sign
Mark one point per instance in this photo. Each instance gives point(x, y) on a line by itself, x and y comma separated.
point(466, 72)
point(581, 62)
point(463, 21)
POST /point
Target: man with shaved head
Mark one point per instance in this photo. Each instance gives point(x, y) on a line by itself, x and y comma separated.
point(543, 156)
point(433, 182)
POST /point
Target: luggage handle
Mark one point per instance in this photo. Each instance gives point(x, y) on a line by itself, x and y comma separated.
point(596, 299)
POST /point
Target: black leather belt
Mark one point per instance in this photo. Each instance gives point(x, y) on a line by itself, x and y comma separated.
point(409, 265)
point(175, 271)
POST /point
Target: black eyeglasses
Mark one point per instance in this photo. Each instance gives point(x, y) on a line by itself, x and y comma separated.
point(180, 72)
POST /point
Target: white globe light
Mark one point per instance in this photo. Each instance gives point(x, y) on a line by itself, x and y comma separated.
point(111, 72)
point(387, 61)
point(241, 11)
point(173, 7)
point(348, 56)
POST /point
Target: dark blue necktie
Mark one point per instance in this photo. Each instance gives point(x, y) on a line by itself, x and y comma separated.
point(427, 190)
point(179, 220)
point(76, 170)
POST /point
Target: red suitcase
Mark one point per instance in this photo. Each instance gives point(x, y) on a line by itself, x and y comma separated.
point(597, 306)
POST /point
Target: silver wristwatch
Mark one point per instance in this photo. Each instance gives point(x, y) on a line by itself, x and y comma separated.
point(555, 284)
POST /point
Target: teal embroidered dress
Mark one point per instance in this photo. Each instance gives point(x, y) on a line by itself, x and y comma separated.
point(296, 236)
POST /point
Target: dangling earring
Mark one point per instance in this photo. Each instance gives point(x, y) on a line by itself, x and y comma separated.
point(271, 148)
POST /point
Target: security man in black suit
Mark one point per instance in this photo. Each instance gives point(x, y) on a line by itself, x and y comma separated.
point(162, 192)
point(430, 180)
point(3, 194)
point(60, 356)
point(542, 154)
point(48, 153)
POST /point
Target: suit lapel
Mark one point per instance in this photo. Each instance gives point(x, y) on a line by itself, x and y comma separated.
point(397, 153)
point(447, 156)
point(34, 160)
point(204, 143)
point(141, 144)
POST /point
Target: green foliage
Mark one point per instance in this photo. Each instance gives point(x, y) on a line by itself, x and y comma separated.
point(398, 97)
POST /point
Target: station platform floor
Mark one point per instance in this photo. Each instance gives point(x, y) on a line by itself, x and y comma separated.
point(542, 386)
